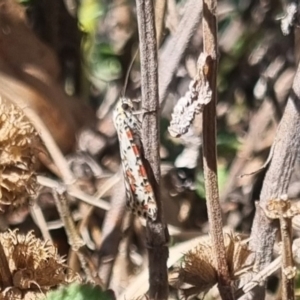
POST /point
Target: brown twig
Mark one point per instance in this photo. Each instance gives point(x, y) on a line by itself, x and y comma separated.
point(157, 233)
point(287, 270)
point(76, 242)
point(258, 277)
point(210, 151)
point(267, 271)
point(283, 210)
point(74, 191)
point(6, 276)
point(39, 218)
point(276, 183)
point(160, 11)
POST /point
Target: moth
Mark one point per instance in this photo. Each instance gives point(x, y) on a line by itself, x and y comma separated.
point(139, 192)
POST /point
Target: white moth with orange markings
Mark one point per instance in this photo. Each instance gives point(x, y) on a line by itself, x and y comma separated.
point(139, 192)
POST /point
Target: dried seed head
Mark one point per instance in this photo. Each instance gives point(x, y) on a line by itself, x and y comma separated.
point(193, 102)
point(198, 273)
point(34, 264)
point(19, 142)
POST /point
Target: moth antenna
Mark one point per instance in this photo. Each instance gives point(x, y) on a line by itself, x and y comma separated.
point(128, 72)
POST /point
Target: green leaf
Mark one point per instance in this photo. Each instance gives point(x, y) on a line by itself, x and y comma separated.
point(77, 291)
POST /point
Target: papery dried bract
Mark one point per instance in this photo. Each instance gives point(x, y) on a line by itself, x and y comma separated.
point(198, 273)
point(19, 142)
point(34, 264)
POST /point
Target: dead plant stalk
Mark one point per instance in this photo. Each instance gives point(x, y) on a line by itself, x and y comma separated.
point(156, 232)
point(210, 152)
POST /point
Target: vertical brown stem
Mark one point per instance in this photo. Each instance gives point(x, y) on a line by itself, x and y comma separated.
point(287, 292)
point(6, 278)
point(210, 151)
point(75, 241)
point(157, 234)
point(160, 11)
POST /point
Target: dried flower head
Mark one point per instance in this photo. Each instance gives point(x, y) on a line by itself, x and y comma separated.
point(198, 272)
point(18, 143)
point(34, 264)
point(193, 102)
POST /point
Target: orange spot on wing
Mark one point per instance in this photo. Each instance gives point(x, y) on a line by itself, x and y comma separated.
point(143, 171)
point(132, 187)
point(148, 188)
point(135, 150)
point(130, 176)
point(129, 134)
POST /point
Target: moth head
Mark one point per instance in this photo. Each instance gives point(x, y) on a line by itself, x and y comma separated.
point(122, 110)
point(126, 104)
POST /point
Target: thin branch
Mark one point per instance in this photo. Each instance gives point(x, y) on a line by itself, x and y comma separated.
point(157, 232)
point(266, 272)
point(75, 241)
point(261, 276)
point(139, 286)
point(288, 271)
point(285, 148)
point(6, 276)
point(283, 210)
point(160, 11)
point(74, 191)
point(39, 219)
point(210, 152)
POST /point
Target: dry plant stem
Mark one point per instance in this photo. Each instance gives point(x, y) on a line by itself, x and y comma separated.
point(261, 276)
point(276, 183)
point(172, 54)
point(287, 292)
point(210, 152)
point(266, 272)
point(74, 239)
point(74, 191)
point(39, 219)
point(157, 232)
point(111, 182)
point(160, 11)
point(139, 285)
point(6, 278)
